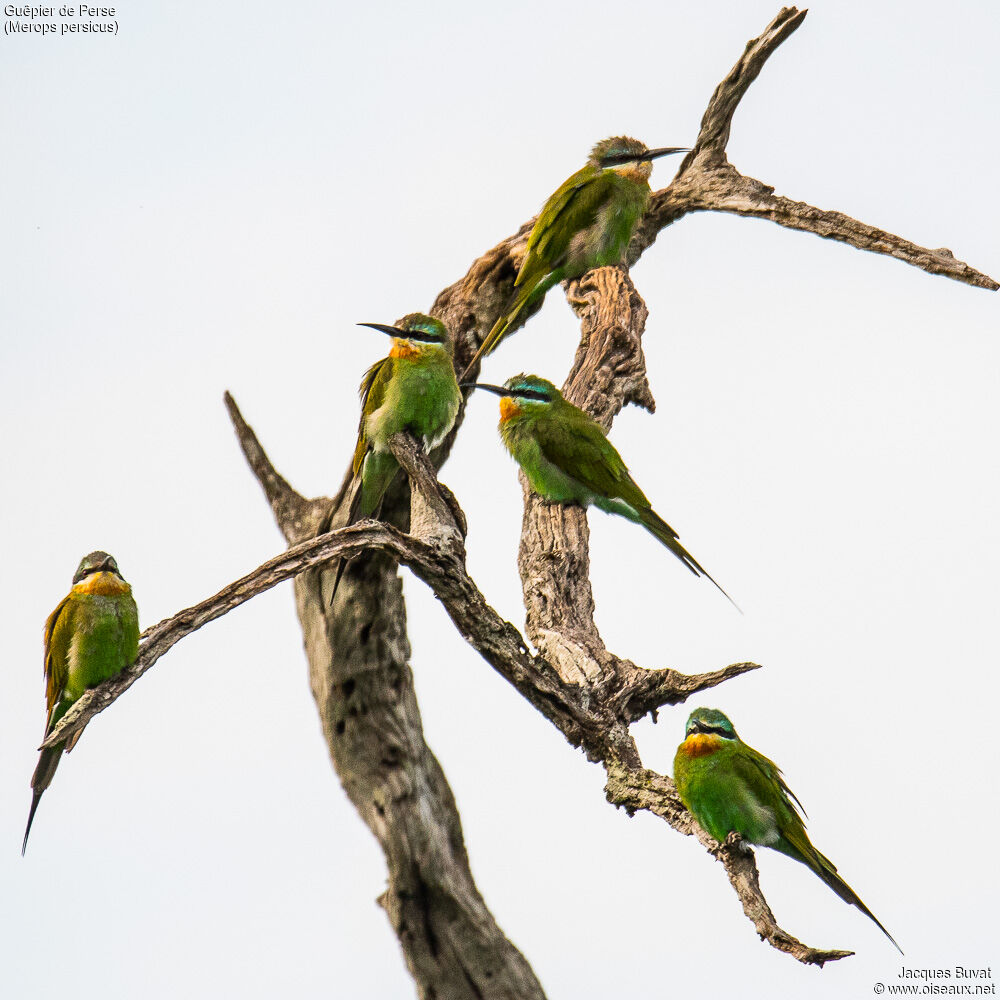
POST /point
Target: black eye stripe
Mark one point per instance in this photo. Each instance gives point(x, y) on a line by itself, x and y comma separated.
point(80, 577)
point(537, 394)
point(701, 727)
point(613, 159)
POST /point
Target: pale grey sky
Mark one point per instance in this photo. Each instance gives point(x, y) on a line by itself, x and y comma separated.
point(214, 197)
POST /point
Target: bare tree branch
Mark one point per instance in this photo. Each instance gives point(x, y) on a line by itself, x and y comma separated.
point(561, 700)
point(358, 650)
point(573, 660)
point(160, 638)
point(648, 690)
point(590, 694)
point(609, 369)
point(705, 181)
point(718, 116)
point(358, 656)
point(295, 515)
point(711, 183)
point(635, 789)
point(586, 721)
point(439, 559)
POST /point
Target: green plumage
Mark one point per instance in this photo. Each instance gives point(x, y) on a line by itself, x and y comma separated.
point(731, 788)
point(567, 458)
point(417, 392)
point(586, 223)
point(91, 636)
point(412, 389)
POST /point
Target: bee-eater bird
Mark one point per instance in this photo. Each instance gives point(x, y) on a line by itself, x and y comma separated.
point(568, 458)
point(91, 636)
point(412, 389)
point(587, 223)
point(731, 788)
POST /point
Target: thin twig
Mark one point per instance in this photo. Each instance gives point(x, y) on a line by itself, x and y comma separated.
point(589, 693)
point(167, 633)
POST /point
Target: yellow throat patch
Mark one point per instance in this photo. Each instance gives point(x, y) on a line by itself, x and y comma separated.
point(508, 408)
point(637, 172)
point(403, 349)
point(103, 584)
point(701, 744)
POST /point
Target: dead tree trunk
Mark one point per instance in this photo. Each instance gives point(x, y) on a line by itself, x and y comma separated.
point(358, 649)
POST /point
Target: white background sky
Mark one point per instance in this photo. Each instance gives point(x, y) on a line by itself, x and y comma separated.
point(213, 198)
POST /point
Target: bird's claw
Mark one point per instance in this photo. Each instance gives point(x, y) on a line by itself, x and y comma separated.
point(735, 842)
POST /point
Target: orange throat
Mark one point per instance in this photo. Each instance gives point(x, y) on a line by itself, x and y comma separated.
point(403, 349)
point(102, 584)
point(636, 172)
point(701, 744)
point(508, 409)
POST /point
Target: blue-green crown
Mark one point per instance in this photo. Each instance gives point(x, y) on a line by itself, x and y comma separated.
point(617, 149)
point(710, 720)
point(426, 328)
point(532, 387)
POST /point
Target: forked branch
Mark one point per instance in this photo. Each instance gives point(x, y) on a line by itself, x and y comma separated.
point(705, 182)
point(358, 650)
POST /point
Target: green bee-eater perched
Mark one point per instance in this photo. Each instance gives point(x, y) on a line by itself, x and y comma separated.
point(412, 389)
point(731, 788)
point(587, 223)
point(91, 636)
point(567, 458)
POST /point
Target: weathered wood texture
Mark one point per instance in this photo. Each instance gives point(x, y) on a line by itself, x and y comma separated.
point(358, 650)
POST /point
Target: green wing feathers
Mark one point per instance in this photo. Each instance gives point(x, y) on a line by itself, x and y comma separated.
point(662, 531)
point(45, 769)
point(764, 776)
point(735, 789)
point(377, 472)
point(575, 443)
point(659, 528)
point(371, 391)
point(86, 640)
point(769, 786)
point(57, 638)
point(827, 871)
point(572, 208)
point(525, 299)
point(373, 471)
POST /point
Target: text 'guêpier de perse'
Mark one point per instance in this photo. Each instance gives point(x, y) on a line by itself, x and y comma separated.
point(66, 10)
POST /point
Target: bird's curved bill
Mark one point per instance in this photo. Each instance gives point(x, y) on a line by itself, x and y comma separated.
point(664, 151)
point(498, 389)
point(393, 331)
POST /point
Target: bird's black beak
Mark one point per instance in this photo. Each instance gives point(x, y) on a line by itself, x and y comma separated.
point(392, 331)
point(106, 567)
point(498, 389)
point(663, 151)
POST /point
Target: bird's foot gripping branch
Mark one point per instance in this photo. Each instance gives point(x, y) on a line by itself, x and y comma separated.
point(358, 649)
point(588, 693)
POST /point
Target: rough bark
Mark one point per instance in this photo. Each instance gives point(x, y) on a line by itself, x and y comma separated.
point(358, 649)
